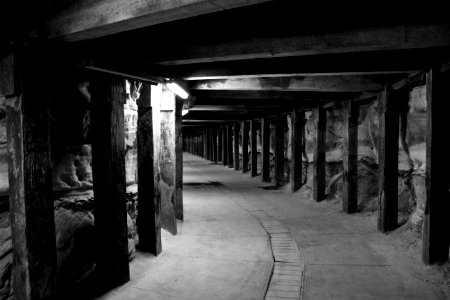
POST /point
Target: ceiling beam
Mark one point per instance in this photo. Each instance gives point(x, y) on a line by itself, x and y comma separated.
point(302, 97)
point(196, 115)
point(234, 108)
point(356, 40)
point(362, 63)
point(300, 83)
point(88, 19)
point(189, 121)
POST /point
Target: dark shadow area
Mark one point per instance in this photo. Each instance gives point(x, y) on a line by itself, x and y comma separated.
point(270, 187)
point(202, 184)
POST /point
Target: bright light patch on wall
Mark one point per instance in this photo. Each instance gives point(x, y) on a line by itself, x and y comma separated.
point(178, 90)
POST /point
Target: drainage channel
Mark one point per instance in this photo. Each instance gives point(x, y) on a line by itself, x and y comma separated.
point(288, 275)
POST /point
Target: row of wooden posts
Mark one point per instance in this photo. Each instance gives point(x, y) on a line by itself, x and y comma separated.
point(30, 170)
point(30, 175)
point(216, 144)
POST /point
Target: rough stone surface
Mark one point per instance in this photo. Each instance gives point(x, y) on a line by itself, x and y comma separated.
point(5, 257)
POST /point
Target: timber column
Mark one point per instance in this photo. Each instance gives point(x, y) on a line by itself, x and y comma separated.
point(388, 162)
point(296, 168)
point(436, 236)
point(30, 172)
point(108, 170)
point(320, 121)
point(265, 163)
point(350, 160)
point(148, 219)
point(164, 138)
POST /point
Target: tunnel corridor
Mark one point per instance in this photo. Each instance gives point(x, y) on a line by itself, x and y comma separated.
point(224, 251)
point(223, 149)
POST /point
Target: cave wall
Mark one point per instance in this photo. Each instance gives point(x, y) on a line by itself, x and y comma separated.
point(72, 171)
point(411, 174)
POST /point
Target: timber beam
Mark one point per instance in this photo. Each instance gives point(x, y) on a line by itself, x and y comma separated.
point(354, 40)
point(93, 19)
point(349, 83)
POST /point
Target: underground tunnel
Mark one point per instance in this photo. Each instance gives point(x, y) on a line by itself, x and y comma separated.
point(212, 149)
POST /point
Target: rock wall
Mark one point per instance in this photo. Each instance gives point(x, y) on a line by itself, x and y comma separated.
point(72, 178)
point(411, 180)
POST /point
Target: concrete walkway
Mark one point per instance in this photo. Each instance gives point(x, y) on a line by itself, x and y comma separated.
point(223, 252)
point(220, 252)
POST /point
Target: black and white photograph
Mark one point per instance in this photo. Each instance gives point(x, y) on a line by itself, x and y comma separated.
point(224, 150)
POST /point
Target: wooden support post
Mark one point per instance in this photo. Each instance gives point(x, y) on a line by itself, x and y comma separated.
point(265, 133)
point(178, 193)
point(219, 144)
point(108, 170)
point(148, 219)
point(230, 145)
point(214, 138)
point(164, 106)
point(30, 181)
point(7, 75)
point(199, 143)
point(296, 168)
point(236, 146)
point(254, 148)
point(388, 162)
point(205, 144)
point(320, 121)
point(225, 146)
point(210, 144)
point(194, 136)
point(350, 159)
point(205, 135)
point(189, 143)
point(279, 149)
point(245, 129)
point(436, 235)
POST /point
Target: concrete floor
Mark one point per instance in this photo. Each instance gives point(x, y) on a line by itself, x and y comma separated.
point(223, 252)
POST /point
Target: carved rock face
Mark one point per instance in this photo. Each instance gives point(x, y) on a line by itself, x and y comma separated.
point(5, 257)
point(73, 170)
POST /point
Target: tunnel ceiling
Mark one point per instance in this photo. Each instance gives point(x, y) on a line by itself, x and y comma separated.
point(273, 56)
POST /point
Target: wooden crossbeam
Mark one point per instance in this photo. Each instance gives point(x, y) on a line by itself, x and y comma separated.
point(349, 83)
point(358, 63)
point(235, 108)
point(309, 98)
point(92, 19)
point(354, 40)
